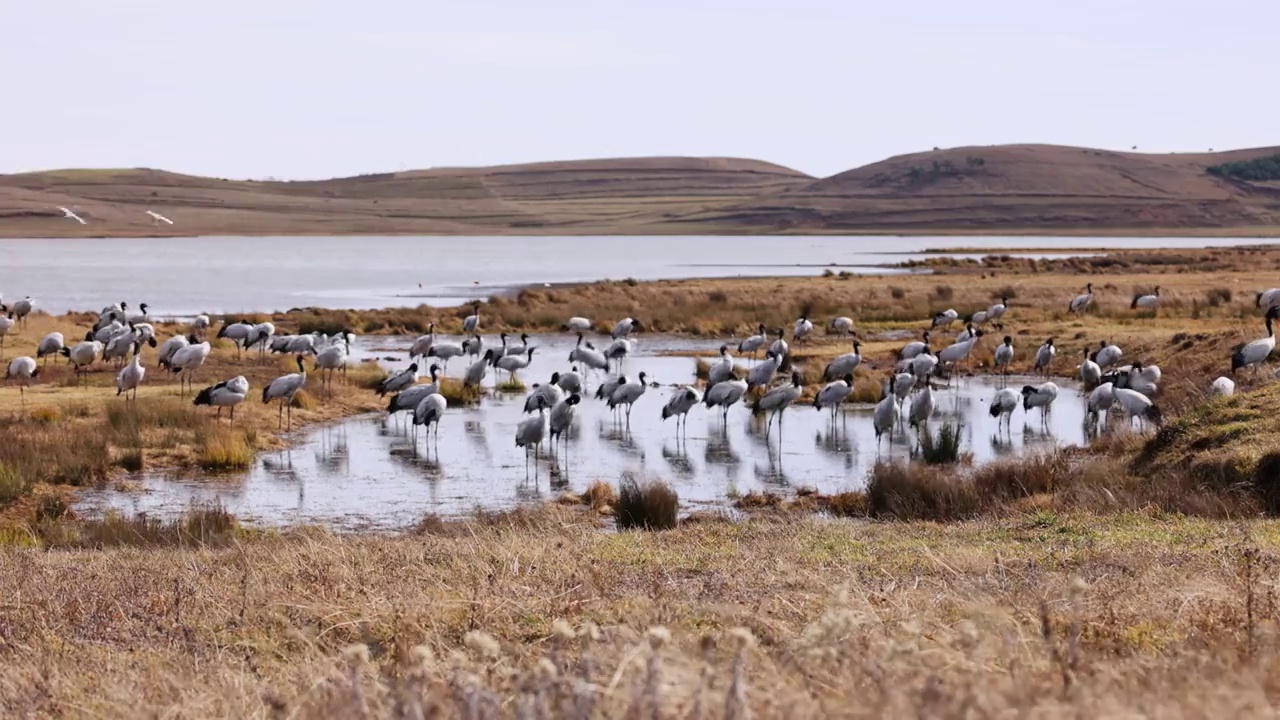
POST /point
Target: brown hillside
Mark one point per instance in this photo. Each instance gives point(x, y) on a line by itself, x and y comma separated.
point(1021, 187)
point(625, 195)
point(1008, 188)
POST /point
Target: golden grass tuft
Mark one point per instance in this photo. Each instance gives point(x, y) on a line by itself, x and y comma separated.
point(45, 415)
point(601, 496)
point(457, 394)
point(511, 385)
point(303, 400)
point(222, 449)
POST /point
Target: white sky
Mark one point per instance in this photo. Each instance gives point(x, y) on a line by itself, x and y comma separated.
point(320, 88)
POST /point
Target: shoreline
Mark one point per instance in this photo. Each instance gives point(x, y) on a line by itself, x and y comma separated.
point(1262, 233)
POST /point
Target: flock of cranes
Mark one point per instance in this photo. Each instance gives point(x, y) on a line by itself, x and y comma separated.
point(119, 336)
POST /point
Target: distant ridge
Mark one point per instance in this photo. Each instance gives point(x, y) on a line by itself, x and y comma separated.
point(996, 189)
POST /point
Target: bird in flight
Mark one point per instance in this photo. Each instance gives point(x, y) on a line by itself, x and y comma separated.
point(66, 212)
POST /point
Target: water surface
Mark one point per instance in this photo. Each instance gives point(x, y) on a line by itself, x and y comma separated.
point(370, 473)
point(179, 277)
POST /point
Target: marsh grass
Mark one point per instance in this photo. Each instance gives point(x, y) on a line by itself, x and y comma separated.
point(207, 526)
point(457, 394)
point(222, 449)
point(511, 385)
point(647, 505)
point(944, 447)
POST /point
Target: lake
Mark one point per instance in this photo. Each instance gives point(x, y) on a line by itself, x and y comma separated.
point(181, 277)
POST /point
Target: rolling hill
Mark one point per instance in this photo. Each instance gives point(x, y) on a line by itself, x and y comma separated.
point(1006, 188)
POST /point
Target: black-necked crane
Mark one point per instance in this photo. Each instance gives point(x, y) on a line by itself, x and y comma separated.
point(1107, 354)
point(779, 347)
point(284, 389)
point(627, 394)
point(914, 348)
point(1003, 404)
point(428, 414)
point(226, 394)
point(1004, 356)
point(24, 370)
point(549, 393)
point(169, 347)
point(396, 382)
point(471, 323)
point(530, 433)
point(1041, 396)
point(562, 418)
point(578, 324)
point(725, 395)
point(186, 361)
point(722, 369)
point(423, 343)
point(996, 312)
point(844, 364)
point(625, 327)
point(802, 328)
point(82, 354)
point(571, 382)
point(514, 363)
point(945, 318)
point(842, 326)
point(474, 346)
point(1255, 353)
point(1267, 299)
point(832, 394)
point(886, 414)
point(777, 400)
point(1146, 301)
point(753, 344)
point(1081, 302)
point(1090, 371)
point(445, 351)
point(1136, 405)
point(762, 374)
point(477, 371)
point(22, 309)
point(922, 407)
point(6, 324)
point(515, 349)
point(618, 351)
point(238, 333)
point(680, 403)
point(1044, 357)
point(588, 356)
point(50, 344)
point(131, 376)
point(260, 336)
point(330, 360)
point(1222, 387)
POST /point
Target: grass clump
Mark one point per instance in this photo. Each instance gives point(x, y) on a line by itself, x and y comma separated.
point(1217, 297)
point(131, 460)
point(455, 393)
point(943, 448)
point(600, 496)
point(11, 485)
point(303, 400)
point(45, 415)
point(223, 450)
point(942, 293)
point(511, 385)
point(651, 505)
point(197, 527)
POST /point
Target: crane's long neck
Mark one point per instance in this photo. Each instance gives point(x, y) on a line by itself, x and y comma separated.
point(1270, 333)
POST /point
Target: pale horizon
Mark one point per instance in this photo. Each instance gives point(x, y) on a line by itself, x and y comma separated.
point(296, 90)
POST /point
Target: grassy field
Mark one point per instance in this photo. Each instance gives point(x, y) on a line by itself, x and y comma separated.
point(539, 614)
point(1132, 578)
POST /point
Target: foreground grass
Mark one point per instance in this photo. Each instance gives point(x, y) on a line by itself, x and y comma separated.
point(539, 614)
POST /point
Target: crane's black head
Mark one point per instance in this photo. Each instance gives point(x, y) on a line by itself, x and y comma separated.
point(1008, 340)
point(995, 410)
point(413, 367)
point(636, 324)
point(503, 336)
point(573, 399)
point(143, 308)
point(1273, 313)
point(524, 338)
point(573, 368)
point(192, 339)
point(124, 305)
point(848, 379)
point(1089, 288)
point(724, 349)
point(66, 351)
point(88, 337)
point(978, 333)
point(911, 367)
point(1004, 301)
point(151, 340)
point(642, 378)
point(435, 368)
point(1049, 342)
point(301, 367)
point(856, 346)
point(555, 378)
point(1027, 390)
point(530, 351)
point(797, 380)
point(760, 327)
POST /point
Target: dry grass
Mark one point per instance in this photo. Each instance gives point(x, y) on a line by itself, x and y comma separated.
point(647, 505)
point(1040, 615)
